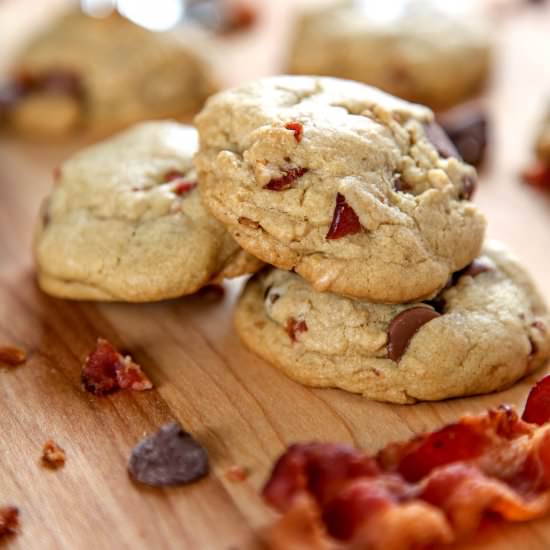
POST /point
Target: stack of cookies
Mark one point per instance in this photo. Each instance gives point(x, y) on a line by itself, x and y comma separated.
point(381, 283)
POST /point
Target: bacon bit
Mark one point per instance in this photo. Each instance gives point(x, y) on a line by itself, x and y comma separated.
point(298, 130)
point(239, 17)
point(53, 456)
point(184, 187)
point(12, 356)
point(285, 182)
point(248, 222)
point(537, 408)
point(344, 221)
point(237, 473)
point(173, 175)
point(56, 174)
point(106, 371)
point(435, 489)
point(537, 175)
point(9, 520)
point(294, 327)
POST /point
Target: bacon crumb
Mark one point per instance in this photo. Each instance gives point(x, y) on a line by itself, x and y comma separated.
point(237, 473)
point(435, 489)
point(53, 456)
point(298, 130)
point(286, 180)
point(9, 520)
point(344, 220)
point(294, 327)
point(12, 356)
point(106, 371)
point(537, 175)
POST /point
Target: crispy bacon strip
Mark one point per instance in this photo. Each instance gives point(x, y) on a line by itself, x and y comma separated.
point(435, 489)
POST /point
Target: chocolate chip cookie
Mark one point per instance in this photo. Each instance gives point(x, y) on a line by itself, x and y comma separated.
point(125, 222)
point(357, 191)
point(101, 75)
point(485, 330)
point(419, 50)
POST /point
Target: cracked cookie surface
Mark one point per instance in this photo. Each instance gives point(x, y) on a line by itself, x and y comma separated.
point(417, 50)
point(486, 330)
point(103, 74)
point(125, 222)
point(357, 191)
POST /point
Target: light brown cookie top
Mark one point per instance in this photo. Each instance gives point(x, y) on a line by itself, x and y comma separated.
point(486, 330)
point(102, 75)
point(425, 51)
point(125, 222)
point(357, 191)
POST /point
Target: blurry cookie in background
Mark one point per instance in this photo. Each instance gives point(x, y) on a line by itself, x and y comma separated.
point(125, 222)
point(538, 174)
point(100, 75)
point(427, 51)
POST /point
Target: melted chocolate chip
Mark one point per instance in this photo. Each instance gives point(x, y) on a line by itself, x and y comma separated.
point(344, 220)
point(404, 326)
point(440, 140)
point(168, 457)
point(467, 129)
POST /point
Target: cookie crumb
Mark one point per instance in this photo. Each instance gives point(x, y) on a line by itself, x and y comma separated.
point(237, 473)
point(12, 356)
point(9, 520)
point(105, 371)
point(53, 456)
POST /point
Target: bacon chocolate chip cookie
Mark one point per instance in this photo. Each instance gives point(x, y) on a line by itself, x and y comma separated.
point(125, 222)
point(359, 192)
point(485, 330)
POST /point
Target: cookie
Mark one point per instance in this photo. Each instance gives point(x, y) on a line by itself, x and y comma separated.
point(419, 50)
point(486, 330)
point(101, 75)
point(125, 222)
point(359, 192)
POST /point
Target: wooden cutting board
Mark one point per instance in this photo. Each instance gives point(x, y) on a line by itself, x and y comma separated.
point(241, 409)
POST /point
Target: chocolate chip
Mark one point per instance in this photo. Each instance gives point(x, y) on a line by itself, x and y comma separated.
point(440, 140)
point(286, 181)
point(168, 457)
point(404, 326)
point(467, 129)
point(400, 184)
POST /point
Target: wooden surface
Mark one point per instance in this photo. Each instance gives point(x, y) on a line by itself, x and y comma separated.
point(241, 409)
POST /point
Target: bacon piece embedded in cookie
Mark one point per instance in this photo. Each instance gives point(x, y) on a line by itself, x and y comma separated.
point(106, 371)
point(435, 489)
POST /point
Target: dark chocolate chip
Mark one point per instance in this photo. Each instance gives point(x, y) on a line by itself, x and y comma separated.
point(168, 457)
point(404, 326)
point(440, 140)
point(400, 184)
point(467, 129)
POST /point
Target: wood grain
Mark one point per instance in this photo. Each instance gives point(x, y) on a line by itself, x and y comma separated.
point(241, 409)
